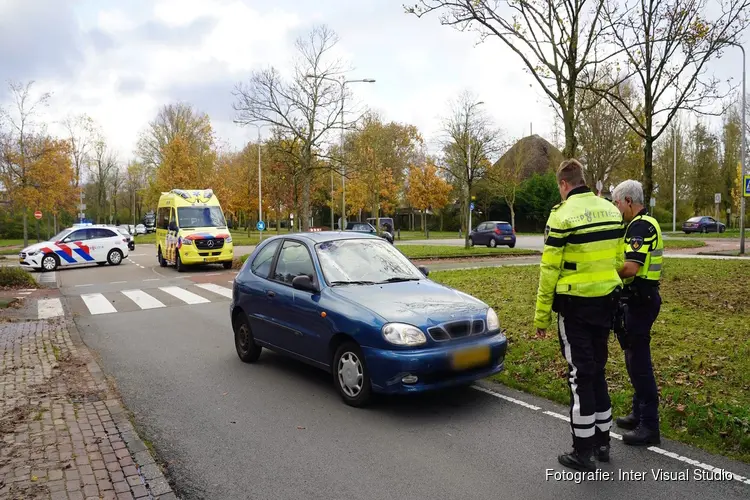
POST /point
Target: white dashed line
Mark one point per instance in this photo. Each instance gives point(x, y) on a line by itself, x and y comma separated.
point(116, 282)
point(153, 279)
point(88, 284)
point(655, 449)
point(212, 274)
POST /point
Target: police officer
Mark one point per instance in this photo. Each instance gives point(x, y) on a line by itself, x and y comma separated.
point(579, 280)
point(641, 272)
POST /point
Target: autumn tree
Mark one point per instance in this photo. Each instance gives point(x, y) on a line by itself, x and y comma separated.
point(135, 186)
point(18, 128)
point(279, 174)
point(469, 141)
point(705, 178)
point(664, 167)
point(102, 166)
point(731, 150)
point(426, 190)
point(665, 47)
point(556, 40)
point(83, 134)
point(306, 108)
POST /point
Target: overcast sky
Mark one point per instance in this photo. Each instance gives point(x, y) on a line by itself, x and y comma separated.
point(119, 61)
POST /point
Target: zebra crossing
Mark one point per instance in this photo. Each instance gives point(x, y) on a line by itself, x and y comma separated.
point(137, 299)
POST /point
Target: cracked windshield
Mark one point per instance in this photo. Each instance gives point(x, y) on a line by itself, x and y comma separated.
point(441, 249)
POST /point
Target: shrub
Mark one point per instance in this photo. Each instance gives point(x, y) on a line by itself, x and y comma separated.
point(15, 277)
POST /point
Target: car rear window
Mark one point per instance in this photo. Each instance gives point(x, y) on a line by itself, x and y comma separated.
point(694, 219)
point(506, 227)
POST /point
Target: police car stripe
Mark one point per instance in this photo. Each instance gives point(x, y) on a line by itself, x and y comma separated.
point(67, 258)
point(86, 257)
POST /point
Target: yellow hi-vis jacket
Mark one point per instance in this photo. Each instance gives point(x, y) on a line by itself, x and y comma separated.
point(583, 251)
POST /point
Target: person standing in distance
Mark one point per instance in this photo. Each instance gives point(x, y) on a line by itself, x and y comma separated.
point(641, 272)
point(579, 280)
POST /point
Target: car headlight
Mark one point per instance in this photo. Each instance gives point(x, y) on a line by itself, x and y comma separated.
point(29, 254)
point(228, 239)
point(403, 334)
point(493, 323)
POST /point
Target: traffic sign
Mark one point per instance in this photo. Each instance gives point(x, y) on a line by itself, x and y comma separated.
point(260, 226)
point(653, 202)
point(471, 207)
point(717, 198)
point(747, 185)
point(599, 186)
point(38, 214)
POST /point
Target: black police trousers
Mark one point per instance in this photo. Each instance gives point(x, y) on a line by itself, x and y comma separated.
point(640, 318)
point(583, 327)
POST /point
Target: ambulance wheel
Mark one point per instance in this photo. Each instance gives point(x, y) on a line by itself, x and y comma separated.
point(50, 262)
point(180, 266)
point(114, 257)
point(160, 258)
point(227, 265)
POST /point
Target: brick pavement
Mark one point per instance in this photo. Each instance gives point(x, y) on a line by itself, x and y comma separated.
point(63, 433)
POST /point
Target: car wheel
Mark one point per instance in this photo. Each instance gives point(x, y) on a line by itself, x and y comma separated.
point(471, 241)
point(351, 376)
point(722, 229)
point(244, 342)
point(512, 245)
point(160, 258)
point(50, 262)
point(492, 243)
point(114, 257)
point(703, 230)
point(179, 265)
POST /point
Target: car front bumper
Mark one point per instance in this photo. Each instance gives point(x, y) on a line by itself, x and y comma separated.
point(395, 371)
point(189, 254)
point(31, 261)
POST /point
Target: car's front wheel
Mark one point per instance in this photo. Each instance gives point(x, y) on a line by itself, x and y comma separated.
point(114, 257)
point(49, 262)
point(244, 342)
point(351, 376)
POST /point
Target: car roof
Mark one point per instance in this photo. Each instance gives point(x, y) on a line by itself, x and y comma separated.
point(315, 237)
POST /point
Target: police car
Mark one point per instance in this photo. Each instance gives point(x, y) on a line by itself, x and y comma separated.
point(76, 246)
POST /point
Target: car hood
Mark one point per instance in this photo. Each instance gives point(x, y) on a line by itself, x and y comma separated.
point(421, 303)
point(37, 246)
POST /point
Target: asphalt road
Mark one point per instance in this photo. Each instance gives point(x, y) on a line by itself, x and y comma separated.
point(278, 430)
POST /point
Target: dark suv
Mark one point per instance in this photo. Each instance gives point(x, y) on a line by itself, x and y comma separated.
point(493, 233)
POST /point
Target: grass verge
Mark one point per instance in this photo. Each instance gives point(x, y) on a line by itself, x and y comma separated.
point(453, 252)
point(701, 348)
point(11, 243)
point(683, 244)
point(15, 277)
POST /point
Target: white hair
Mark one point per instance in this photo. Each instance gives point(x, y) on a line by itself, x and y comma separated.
point(629, 189)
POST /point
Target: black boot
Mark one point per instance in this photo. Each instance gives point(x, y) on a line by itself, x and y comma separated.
point(579, 460)
point(628, 423)
point(642, 436)
point(602, 445)
point(602, 453)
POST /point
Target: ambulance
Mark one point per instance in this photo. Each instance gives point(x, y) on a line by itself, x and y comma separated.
point(191, 229)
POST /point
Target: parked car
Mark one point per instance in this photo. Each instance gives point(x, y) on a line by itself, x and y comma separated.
point(367, 228)
point(128, 237)
point(702, 224)
point(140, 229)
point(493, 233)
point(353, 305)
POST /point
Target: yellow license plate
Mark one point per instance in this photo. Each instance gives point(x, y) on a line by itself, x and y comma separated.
point(211, 259)
point(470, 358)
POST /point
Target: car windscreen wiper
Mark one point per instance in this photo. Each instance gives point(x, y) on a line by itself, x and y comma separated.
point(397, 279)
point(334, 283)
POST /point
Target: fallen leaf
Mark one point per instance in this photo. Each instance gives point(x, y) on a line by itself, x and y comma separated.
point(224, 393)
point(34, 478)
point(681, 408)
point(299, 427)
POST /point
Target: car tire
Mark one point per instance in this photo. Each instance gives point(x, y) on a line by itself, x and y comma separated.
point(722, 229)
point(50, 262)
point(227, 265)
point(179, 265)
point(160, 258)
point(114, 257)
point(512, 245)
point(244, 342)
point(492, 243)
point(351, 376)
point(471, 241)
point(703, 230)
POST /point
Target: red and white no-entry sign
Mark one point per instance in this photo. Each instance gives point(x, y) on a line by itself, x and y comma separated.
point(38, 215)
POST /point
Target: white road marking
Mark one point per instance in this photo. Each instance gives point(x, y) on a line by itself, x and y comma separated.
point(49, 308)
point(153, 279)
point(184, 295)
point(142, 299)
point(25, 293)
point(655, 449)
point(98, 303)
point(221, 290)
point(116, 282)
point(27, 290)
point(212, 274)
point(49, 277)
point(88, 284)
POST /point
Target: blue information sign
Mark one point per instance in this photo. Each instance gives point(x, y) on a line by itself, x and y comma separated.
point(260, 226)
point(747, 185)
point(471, 207)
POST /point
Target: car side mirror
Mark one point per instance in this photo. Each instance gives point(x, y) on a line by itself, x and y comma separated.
point(424, 270)
point(303, 282)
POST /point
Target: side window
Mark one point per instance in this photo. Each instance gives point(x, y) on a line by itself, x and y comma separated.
point(162, 218)
point(262, 263)
point(79, 235)
point(294, 260)
point(100, 233)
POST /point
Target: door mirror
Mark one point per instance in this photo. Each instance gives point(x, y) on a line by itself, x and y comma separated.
point(173, 226)
point(303, 282)
point(424, 271)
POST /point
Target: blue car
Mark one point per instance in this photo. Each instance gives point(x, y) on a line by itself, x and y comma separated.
point(355, 306)
point(492, 234)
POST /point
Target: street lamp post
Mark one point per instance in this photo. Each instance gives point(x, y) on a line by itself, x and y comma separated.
point(674, 182)
point(742, 153)
point(342, 81)
point(468, 153)
point(260, 180)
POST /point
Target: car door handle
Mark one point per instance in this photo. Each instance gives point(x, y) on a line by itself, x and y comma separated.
point(270, 293)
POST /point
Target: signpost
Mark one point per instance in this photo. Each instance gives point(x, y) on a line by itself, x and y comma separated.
point(471, 209)
point(38, 214)
point(261, 226)
point(599, 186)
point(746, 191)
point(717, 201)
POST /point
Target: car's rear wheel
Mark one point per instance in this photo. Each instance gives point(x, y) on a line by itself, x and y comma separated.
point(160, 258)
point(492, 243)
point(50, 262)
point(512, 245)
point(114, 257)
point(351, 376)
point(247, 350)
